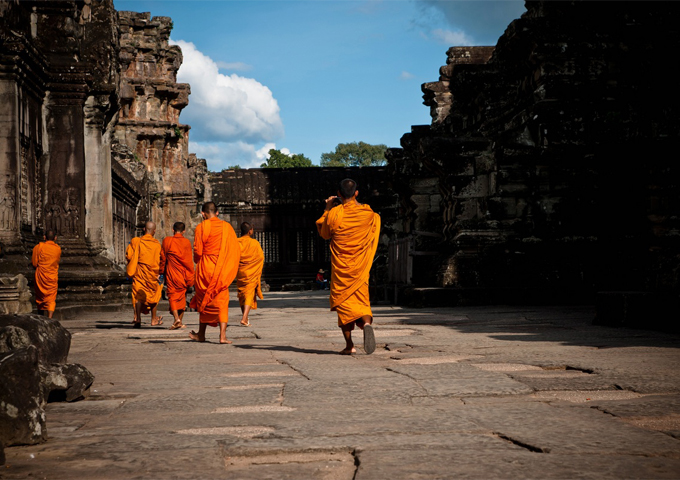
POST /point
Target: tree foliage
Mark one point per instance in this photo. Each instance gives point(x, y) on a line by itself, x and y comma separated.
point(232, 167)
point(355, 154)
point(278, 159)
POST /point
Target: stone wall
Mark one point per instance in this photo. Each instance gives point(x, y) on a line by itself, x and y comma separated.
point(148, 121)
point(90, 140)
point(544, 175)
point(283, 205)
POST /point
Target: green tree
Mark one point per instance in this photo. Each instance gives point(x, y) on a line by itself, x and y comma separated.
point(278, 159)
point(355, 154)
point(232, 167)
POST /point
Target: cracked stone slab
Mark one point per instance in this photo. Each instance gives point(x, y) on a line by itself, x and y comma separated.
point(331, 465)
point(289, 373)
point(506, 367)
point(378, 464)
point(465, 387)
point(433, 360)
point(254, 409)
point(663, 423)
point(570, 430)
point(242, 432)
point(253, 387)
point(583, 396)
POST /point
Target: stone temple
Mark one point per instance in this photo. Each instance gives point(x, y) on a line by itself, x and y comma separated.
point(91, 144)
point(547, 174)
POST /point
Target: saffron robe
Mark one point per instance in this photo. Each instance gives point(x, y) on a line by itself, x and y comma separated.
point(45, 259)
point(249, 272)
point(354, 232)
point(178, 266)
point(143, 255)
point(216, 254)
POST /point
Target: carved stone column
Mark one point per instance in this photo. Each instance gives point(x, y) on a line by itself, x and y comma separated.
point(98, 192)
point(65, 192)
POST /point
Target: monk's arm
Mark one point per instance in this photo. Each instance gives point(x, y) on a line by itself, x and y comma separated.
point(322, 226)
point(198, 243)
point(130, 252)
point(164, 248)
point(35, 256)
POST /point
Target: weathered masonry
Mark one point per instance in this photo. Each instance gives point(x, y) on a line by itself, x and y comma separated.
point(548, 173)
point(90, 141)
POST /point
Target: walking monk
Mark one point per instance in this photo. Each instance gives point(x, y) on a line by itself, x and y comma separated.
point(143, 256)
point(178, 267)
point(45, 259)
point(249, 272)
point(216, 254)
point(354, 230)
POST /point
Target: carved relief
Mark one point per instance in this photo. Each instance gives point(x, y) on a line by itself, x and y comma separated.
point(62, 215)
point(8, 203)
point(72, 213)
point(54, 213)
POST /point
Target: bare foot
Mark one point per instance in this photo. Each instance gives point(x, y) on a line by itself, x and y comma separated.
point(177, 325)
point(194, 336)
point(245, 324)
point(225, 341)
point(157, 321)
point(348, 351)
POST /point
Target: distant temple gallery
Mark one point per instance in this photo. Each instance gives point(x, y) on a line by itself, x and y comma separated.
point(544, 176)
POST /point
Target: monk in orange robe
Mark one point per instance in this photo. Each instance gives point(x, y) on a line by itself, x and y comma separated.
point(249, 272)
point(216, 254)
point(143, 256)
point(354, 231)
point(45, 259)
point(178, 268)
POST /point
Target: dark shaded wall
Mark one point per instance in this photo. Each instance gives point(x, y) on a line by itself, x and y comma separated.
point(548, 172)
point(283, 205)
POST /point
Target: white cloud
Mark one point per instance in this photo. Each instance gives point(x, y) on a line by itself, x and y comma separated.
point(221, 155)
point(226, 108)
point(453, 38)
point(406, 75)
point(234, 66)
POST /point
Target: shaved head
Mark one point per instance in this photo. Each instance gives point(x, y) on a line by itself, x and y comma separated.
point(245, 228)
point(150, 228)
point(209, 207)
point(50, 235)
point(347, 188)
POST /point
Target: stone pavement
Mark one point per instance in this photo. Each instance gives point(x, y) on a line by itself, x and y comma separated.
point(468, 392)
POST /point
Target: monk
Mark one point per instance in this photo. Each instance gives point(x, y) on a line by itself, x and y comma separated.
point(216, 254)
point(45, 259)
point(143, 256)
point(354, 231)
point(249, 272)
point(178, 267)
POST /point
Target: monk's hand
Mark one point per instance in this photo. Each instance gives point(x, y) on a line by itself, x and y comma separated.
point(329, 202)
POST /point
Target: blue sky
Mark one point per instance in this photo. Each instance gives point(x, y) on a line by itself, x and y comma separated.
point(303, 76)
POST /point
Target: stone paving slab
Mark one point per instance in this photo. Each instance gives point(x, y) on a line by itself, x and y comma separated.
point(469, 392)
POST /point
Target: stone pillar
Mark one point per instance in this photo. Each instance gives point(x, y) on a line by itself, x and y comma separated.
point(9, 168)
point(65, 192)
point(98, 191)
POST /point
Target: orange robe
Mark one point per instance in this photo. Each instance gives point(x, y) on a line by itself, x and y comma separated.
point(143, 256)
point(249, 272)
point(354, 232)
point(178, 266)
point(45, 259)
point(216, 254)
